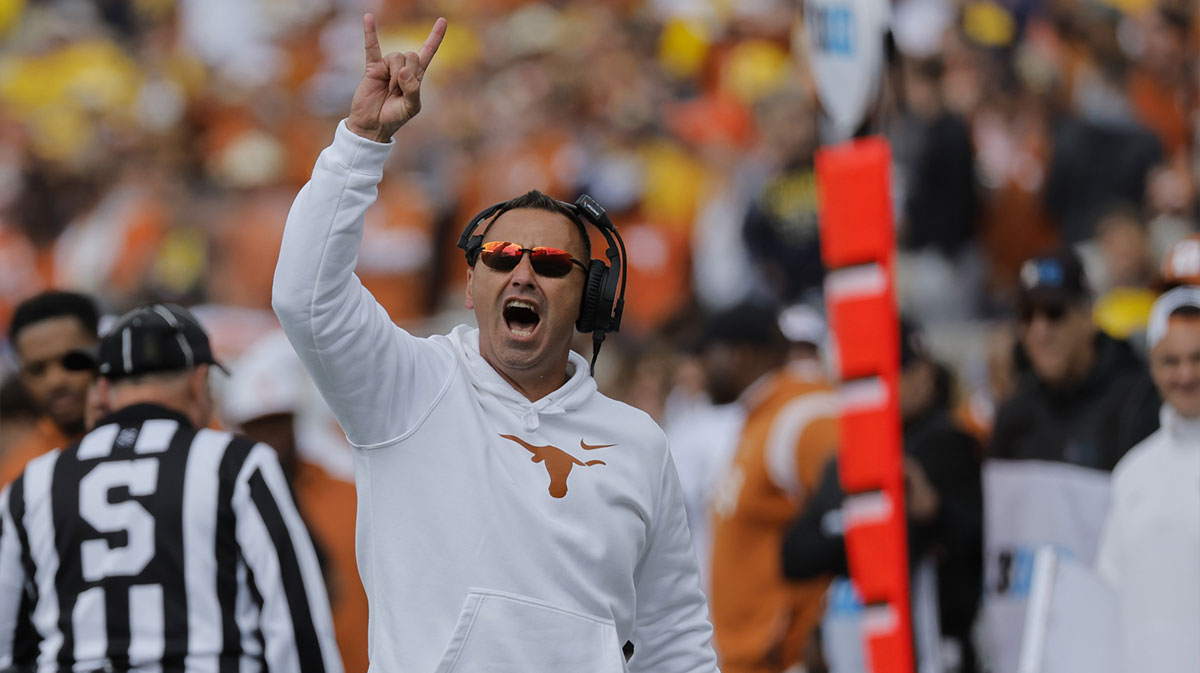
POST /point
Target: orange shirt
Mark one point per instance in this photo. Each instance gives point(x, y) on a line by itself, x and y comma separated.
point(44, 438)
point(329, 506)
point(1161, 109)
point(762, 622)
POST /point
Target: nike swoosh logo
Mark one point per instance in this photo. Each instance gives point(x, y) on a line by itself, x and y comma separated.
point(588, 447)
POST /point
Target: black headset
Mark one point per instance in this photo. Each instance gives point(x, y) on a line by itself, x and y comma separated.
point(603, 299)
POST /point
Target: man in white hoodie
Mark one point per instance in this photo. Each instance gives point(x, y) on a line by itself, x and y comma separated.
point(511, 519)
point(1150, 548)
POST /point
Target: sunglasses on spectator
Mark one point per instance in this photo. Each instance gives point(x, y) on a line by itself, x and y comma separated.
point(73, 360)
point(1053, 313)
point(549, 262)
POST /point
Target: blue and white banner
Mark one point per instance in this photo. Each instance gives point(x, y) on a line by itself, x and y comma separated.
point(1029, 505)
point(844, 43)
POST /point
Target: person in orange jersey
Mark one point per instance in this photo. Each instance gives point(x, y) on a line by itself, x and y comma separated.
point(761, 622)
point(46, 331)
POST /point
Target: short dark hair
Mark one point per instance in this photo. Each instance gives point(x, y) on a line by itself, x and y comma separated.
point(55, 304)
point(536, 200)
point(749, 323)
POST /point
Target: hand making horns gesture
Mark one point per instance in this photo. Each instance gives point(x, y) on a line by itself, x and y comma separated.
point(390, 91)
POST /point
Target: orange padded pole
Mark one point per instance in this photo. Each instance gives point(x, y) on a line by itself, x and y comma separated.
point(858, 248)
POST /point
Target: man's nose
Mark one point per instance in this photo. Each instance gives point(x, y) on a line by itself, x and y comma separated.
point(56, 374)
point(523, 273)
point(1189, 373)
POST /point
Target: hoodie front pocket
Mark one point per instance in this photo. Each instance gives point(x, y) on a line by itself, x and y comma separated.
point(499, 632)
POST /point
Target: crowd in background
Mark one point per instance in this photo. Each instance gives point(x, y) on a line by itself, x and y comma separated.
point(149, 150)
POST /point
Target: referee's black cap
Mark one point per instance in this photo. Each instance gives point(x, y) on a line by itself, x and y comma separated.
point(154, 338)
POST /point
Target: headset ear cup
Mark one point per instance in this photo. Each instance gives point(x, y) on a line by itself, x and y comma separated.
point(593, 290)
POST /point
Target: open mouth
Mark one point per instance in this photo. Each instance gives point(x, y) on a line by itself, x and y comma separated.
point(521, 317)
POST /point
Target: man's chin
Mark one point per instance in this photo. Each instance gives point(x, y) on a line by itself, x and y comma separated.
point(69, 426)
point(518, 353)
point(1187, 408)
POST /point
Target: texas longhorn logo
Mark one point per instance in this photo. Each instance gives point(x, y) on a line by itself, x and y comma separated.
point(558, 462)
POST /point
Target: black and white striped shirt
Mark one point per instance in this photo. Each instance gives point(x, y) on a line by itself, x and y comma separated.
point(151, 546)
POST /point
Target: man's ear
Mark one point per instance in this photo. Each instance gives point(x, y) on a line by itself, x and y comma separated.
point(198, 382)
point(469, 303)
point(99, 403)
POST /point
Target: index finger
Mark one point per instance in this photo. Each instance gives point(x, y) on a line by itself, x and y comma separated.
point(371, 39)
point(427, 50)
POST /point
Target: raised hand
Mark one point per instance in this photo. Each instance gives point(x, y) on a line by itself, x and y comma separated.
point(390, 91)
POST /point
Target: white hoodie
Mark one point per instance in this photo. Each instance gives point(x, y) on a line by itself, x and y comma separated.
point(1150, 549)
point(473, 556)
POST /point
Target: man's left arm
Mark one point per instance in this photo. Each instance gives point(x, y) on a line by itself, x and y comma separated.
point(672, 631)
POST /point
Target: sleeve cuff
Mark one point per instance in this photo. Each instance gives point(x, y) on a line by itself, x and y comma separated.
point(357, 153)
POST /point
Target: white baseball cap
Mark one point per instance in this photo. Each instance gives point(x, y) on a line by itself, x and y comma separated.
point(1164, 306)
point(803, 324)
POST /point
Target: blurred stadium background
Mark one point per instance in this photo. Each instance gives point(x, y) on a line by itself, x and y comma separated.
point(149, 149)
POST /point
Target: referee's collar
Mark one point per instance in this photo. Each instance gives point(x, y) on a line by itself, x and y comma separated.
point(135, 414)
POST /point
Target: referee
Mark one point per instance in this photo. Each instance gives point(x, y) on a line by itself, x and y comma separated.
point(154, 544)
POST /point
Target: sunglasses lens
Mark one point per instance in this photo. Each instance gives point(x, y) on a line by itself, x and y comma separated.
point(505, 256)
point(1051, 312)
point(551, 262)
point(500, 255)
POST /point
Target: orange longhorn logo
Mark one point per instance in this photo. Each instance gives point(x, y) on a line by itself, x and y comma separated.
point(558, 462)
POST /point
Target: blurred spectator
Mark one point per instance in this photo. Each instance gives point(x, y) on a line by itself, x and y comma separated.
point(780, 226)
point(1119, 255)
point(265, 399)
point(1083, 402)
point(1012, 138)
point(46, 331)
point(1159, 84)
point(18, 415)
point(1121, 271)
point(760, 622)
point(704, 437)
point(1181, 264)
point(939, 269)
point(977, 413)
point(1102, 156)
point(944, 502)
point(1150, 547)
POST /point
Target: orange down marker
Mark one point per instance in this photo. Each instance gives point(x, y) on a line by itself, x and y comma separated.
point(858, 248)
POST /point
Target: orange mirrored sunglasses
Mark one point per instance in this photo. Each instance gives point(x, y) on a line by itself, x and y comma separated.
point(550, 262)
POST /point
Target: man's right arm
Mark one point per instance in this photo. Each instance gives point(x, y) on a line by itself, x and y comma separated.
point(368, 370)
point(363, 364)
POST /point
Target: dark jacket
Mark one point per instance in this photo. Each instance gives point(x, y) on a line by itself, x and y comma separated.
point(1096, 166)
point(942, 206)
point(1092, 424)
point(781, 231)
point(814, 545)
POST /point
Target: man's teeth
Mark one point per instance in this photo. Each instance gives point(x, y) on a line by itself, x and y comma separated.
point(517, 303)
